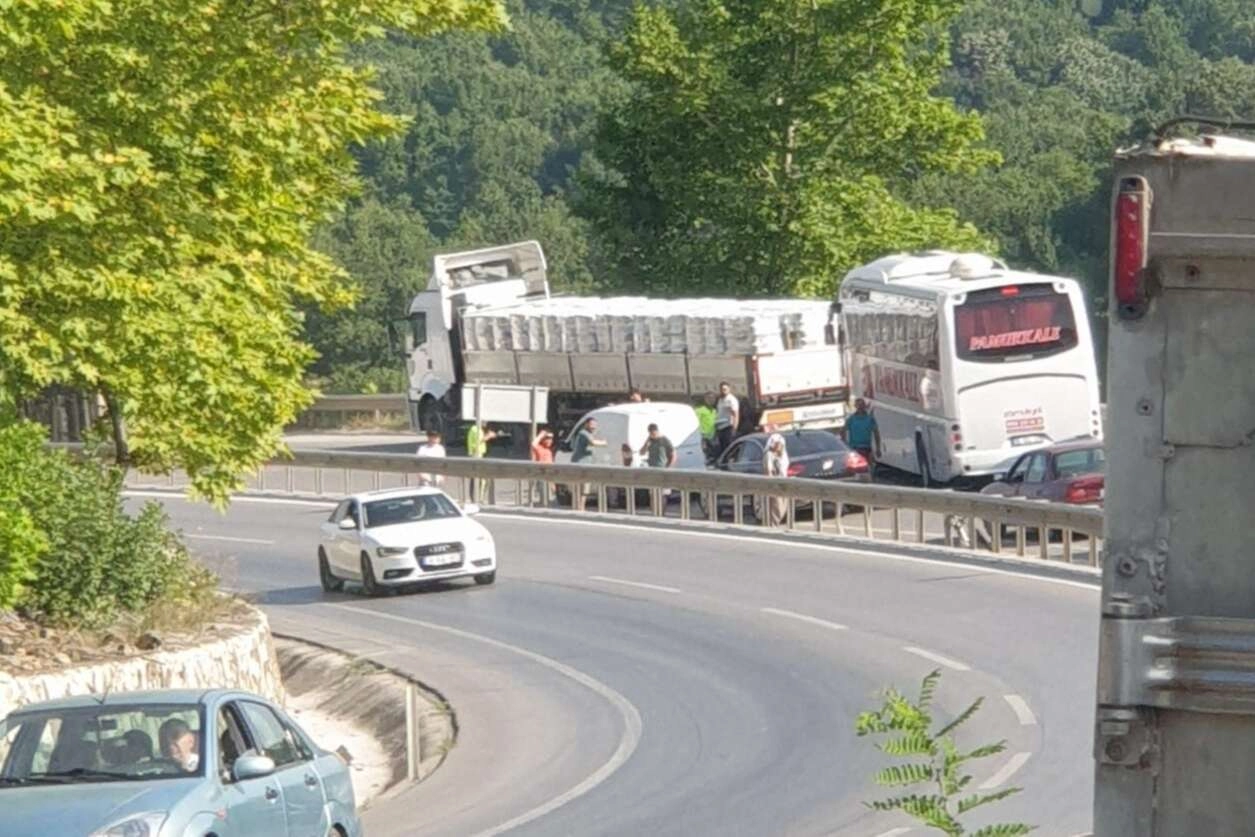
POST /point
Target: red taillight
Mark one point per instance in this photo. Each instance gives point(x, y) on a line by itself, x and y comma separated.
point(1132, 230)
point(796, 469)
point(855, 461)
point(1084, 490)
point(1010, 290)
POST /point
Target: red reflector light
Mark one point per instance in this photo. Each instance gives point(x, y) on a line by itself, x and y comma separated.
point(1010, 290)
point(855, 461)
point(1084, 490)
point(1132, 230)
point(796, 469)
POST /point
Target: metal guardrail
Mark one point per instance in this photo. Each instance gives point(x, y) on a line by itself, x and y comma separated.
point(336, 410)
point(879, 511)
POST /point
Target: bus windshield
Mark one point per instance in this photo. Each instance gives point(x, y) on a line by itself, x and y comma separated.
point(1014, 322)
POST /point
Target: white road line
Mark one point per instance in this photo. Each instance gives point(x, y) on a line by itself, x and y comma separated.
point(802, 617)
point(894, 832)
point(752, 538)
point(1008, 770)
point(1020, 707)
point(641, 584)
point(936, 658)
point(631, 717)
point(280, 501)
point(226, 538)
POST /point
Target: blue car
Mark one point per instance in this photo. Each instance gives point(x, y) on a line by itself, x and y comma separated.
point(172, 763)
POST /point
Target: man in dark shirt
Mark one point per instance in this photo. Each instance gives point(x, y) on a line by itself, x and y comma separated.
point(585, 440)
point(658, 450)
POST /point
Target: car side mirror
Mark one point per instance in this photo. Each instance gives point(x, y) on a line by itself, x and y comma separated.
point(348, 523)
point(252, 767)
point(470, 508)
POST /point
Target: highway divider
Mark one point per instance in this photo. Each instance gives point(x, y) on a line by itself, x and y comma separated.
point(1067, 533)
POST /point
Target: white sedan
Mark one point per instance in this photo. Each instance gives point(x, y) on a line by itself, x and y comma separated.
point(402, 537)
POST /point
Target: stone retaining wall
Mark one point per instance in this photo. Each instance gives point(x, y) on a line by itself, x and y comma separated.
point(241, 658)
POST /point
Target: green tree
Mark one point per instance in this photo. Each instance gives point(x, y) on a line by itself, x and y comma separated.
point(767, 141)
point(163, 164)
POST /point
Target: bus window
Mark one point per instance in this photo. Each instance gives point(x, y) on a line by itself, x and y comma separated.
point(1014, 322)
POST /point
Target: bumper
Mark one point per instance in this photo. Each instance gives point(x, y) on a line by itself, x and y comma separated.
point(403, 570)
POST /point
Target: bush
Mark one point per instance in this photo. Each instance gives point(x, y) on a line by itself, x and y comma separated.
point(22, 543)
point(97, 562)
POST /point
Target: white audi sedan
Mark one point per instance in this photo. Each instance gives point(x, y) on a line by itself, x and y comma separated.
point(403, 537)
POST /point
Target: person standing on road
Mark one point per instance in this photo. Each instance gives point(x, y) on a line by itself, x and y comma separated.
point(659, 452)
point(477, 440)
point(581, 451)
point(542, 453)
point(431, 449)
point(863, 434)
point(775, 464)
point(727, 417)
point(706, 417)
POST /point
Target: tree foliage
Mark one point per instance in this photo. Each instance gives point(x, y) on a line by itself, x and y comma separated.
point(934, 761)
point(762, 149)
point(163, 164)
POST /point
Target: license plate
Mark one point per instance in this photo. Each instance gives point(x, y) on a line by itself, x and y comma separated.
point(443, 560)
point(827, 464)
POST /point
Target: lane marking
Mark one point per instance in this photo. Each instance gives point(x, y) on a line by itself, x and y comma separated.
point(936, 658)
point(279, 501)
point(632, 726)
point(894, 832)
point(226, 538)
point(1093, 586)
point(1021, 709)
point(608, 580)
point(802, 617)
point(1008, 770)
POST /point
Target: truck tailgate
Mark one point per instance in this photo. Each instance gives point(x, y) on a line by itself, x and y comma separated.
point(801, 371)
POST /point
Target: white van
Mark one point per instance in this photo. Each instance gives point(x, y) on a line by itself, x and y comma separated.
point(621, 424)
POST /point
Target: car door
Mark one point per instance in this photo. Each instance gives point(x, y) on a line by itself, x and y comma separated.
point(331, 533)
point(1035, 476)
point(253, 806)
point(304, 801)
point(349, 543)
point(748, 458)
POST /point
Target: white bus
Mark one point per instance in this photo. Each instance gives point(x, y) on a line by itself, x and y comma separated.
point(966, 362)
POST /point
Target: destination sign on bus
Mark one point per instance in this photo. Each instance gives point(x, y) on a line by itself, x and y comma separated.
point(1010, 339)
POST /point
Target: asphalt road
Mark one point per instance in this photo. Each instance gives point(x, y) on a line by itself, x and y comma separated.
point(624, 682)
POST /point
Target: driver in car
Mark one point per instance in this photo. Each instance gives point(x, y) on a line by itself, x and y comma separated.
point(179, 743)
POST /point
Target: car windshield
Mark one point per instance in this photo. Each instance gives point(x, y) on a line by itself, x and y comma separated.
point(112, 743)
point(1076, 462)
point(414, 508)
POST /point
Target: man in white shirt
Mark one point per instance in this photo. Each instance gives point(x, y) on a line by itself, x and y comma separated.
point(431, 449)
point(727, 416)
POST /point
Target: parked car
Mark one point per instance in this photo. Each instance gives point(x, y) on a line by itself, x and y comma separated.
point(168, 764)
point(813, 454)
point(1066, 472)
point(628, 424)
point(402, 537)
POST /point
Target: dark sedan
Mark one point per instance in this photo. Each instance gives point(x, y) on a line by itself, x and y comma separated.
point(1068, 472)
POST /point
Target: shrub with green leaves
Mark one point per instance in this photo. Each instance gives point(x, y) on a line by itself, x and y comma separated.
point(74, 555)
point(934, 762)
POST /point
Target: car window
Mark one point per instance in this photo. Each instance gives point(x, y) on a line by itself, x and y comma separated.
point(1016, 472)
point(1036, 471)
point(353, 512)
point(231, 741)
point(1074, 462)
point(803, 444)
point(340, 511)
point(413, 508)
point(750, 452)
point(271, 738)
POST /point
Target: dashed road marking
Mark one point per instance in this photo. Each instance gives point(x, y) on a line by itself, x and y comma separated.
point(608, 580)
point(1020, 707)
point(894, 832)
point(1008, 770)
point(936, 658)
point(802, 617)
point(227, 538)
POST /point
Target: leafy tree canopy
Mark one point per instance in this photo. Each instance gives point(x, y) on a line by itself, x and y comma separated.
point(163, 164)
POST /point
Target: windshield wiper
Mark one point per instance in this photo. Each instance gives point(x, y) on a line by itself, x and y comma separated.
point(86, 774)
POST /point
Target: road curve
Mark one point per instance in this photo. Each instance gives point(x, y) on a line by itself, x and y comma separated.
point(625, 681)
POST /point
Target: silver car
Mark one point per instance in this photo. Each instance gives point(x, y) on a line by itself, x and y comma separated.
point(173, 763)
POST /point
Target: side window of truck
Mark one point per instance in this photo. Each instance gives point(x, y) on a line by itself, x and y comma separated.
point(418, 328)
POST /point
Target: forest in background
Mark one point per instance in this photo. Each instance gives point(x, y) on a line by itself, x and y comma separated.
point(589, 126)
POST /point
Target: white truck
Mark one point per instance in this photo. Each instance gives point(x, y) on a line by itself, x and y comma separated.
point(488, 319)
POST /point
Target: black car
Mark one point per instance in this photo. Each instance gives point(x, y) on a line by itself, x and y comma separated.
point(813, 454)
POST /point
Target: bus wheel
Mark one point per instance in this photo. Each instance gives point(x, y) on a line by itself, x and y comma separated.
point(921, 458)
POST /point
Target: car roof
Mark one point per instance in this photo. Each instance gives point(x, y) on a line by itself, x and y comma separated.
point(761, 435)
point(388, 493)
point(647, 407)
point(1088, 443)
point(151, 697)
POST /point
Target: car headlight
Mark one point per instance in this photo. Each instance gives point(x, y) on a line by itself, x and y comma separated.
point(387, 551)
point(147, 824)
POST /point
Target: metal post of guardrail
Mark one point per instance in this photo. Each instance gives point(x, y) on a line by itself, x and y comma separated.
point(686, 500)
point(738, 509)
point(318, 481)
point(840, 517)
point(1067, 546)
point(896, 525)
point(374, 480)
point(261, 478)
point(289, 479)
point(995, 535)
point(629, 496)
point(919, 525)
point(518, 492)
point(1043, 542)
point(818, 514)
point(348, 483)
point(1021, 540)
point(792, 513)
point(971, 531)
point(601, 499)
